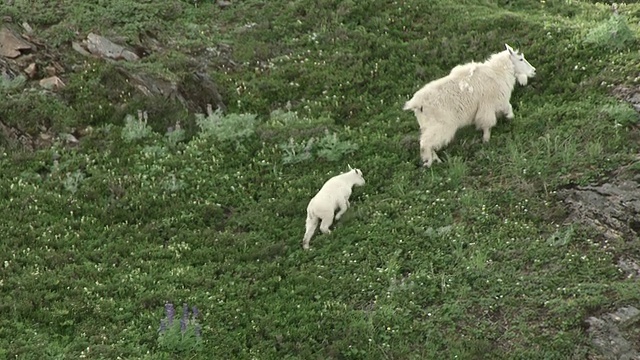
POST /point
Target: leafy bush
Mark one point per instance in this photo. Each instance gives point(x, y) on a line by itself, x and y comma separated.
point(333, 149)
point(284, 118)
point(73, 180)
point(226, 127)
point(175, 135)
point(328, 147)
point(136, 129)
point(613, 34)
point(295, 152)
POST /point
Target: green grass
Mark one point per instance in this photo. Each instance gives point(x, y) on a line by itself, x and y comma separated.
point(470, 258)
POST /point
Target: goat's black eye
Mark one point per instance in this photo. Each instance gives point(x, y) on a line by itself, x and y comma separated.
point(521, 59)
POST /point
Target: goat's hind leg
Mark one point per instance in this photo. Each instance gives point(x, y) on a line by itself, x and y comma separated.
point(311, 224)
point(326, 222)
point(435, 135)
point(509, 111)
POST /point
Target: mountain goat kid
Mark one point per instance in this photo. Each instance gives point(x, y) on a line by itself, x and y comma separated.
point(473, 93)
point(333, 195)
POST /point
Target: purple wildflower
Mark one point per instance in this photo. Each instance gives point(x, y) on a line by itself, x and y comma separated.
point(168, 307)
point(197, 330)
point(195, 312)
point(163, 327)
point(185, 318)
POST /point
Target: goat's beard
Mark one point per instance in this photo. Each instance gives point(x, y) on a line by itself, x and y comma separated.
point(522, 79)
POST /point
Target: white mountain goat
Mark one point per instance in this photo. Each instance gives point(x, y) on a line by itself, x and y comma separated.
point(333, 195)
point(473, 93)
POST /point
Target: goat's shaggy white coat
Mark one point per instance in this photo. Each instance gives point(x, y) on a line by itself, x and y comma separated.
point(472, 93)
point(333, 195)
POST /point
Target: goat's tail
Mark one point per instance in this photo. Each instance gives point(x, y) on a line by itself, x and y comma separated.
point(311, 225)
point(412, 105)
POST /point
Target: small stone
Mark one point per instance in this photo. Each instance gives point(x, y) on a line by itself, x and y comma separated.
point(31, 70)
point(79, 48)
point(50, 70)
point(52, 83)
point(69, 138)
point(27, 27)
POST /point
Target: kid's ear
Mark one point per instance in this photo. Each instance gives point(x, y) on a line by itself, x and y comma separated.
point(350, 168)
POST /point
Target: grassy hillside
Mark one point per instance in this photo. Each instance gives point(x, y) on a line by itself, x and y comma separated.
point(469, 259)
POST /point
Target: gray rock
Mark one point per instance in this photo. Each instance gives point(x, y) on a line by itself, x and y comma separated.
point(614, 209)
point(11, 44)
point(630, 267)
point(101, 46)
point(607, 333)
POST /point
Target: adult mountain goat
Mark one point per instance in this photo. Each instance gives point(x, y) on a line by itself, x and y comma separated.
point(333, 195)
point(473, 93)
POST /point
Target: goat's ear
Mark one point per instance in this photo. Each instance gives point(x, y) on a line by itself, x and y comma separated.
point(509, 48)
point(350, 168)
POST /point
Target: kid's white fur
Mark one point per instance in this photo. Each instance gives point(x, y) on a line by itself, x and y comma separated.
point(333, 195)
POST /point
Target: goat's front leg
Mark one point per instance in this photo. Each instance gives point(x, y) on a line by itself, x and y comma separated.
point(343, 205)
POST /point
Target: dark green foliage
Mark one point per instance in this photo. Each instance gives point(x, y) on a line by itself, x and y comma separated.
point(470, 258)
point(613, 34)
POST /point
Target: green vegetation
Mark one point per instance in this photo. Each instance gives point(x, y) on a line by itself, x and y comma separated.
point(468, 259)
